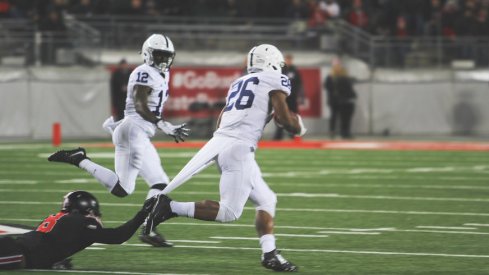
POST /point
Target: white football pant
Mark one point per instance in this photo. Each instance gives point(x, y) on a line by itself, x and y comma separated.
point(241, 177)
point(136, 155)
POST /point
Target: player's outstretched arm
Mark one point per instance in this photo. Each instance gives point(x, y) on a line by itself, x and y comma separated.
point(291, 122)
point(122, 233)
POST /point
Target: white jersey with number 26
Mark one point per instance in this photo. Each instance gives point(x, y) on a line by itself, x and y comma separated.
point(145, 75)
point(248, 105)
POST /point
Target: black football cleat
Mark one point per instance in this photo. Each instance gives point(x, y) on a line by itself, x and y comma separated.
point(73, 157)
point(154, 238)
point(274, 261)
point(160, 213)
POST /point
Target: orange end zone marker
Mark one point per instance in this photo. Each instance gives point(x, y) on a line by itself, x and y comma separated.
point(56, 138)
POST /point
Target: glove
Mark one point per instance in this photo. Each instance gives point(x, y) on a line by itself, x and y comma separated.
point(178, 132)
point(148, 205)
point(303, 128)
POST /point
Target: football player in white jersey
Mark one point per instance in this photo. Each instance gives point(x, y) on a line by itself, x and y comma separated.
point(249, 105)
point(134, 153)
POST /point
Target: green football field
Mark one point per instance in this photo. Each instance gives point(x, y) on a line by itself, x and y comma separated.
point(338, 212)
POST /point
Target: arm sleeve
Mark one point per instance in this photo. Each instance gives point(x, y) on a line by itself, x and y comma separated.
point(94, 232)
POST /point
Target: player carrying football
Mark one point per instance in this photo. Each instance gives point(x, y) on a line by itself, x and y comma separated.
point(249, 105)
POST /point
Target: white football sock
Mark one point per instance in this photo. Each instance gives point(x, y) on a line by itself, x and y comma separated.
point(267, 243)
point(186, 209)
point(105, 176)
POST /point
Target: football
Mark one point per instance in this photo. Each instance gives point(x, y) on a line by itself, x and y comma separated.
point(292, 114)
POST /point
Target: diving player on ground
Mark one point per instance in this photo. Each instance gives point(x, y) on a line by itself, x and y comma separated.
point(77, 226)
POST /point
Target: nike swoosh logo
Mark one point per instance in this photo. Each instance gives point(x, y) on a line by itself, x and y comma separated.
point(77, 153)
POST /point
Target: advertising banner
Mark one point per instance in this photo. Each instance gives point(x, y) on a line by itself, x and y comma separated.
point(200, 91)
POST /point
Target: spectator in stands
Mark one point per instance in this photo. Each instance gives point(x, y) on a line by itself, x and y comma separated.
point(414, 12)
point(357, 16)
point(231, 9)
point(481, 23)
point(433, 26)
point(298, 10)
point(449, 16)
point(128, 7)
point(469, 5)
point(83, 7)
point(341, 100)
point(296, 92)
point(465, 27)
point(317, 17)
point(55, 36)
point(118, 89)
point(482, 29)
point(400, 49)
point(5, 8)
point(330, 8)
point(322, 11)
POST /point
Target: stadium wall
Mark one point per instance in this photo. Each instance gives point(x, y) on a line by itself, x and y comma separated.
point(78, 98)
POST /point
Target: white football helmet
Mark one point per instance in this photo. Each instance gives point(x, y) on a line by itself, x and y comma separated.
point(265, 57)
point(158, 51)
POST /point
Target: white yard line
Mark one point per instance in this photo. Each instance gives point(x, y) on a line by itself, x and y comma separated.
point(321, 230)
point(349, 232)
point(379, 211)
point(298, 195)
point(333, 195)
point(313, 210)
point(334, 251)
point(104, 272)
point(394, 253)
point(300, 235)
point(445, 227)
point(235, 238)
point(192, 241)
point(443, 232)
point(476, 224)
point(277, 235)
point(8, 182)
point(24, 146)
point(110, 155)
point(352, 231)
point(400, 186)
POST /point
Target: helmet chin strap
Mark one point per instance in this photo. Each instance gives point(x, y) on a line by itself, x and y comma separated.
point(162, 68)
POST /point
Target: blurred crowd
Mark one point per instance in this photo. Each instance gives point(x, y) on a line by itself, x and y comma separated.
point(383, 17)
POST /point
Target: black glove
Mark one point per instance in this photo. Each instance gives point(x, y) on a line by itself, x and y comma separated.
point(148, 205)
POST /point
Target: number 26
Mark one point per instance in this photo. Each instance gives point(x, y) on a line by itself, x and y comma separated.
point(243, 92)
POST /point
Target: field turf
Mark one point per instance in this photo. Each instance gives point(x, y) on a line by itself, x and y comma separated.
point(339, 212)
